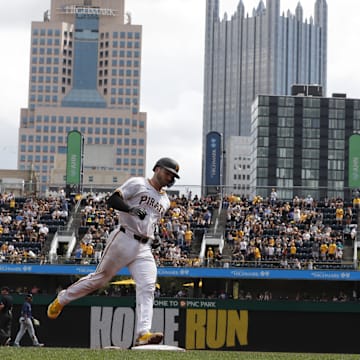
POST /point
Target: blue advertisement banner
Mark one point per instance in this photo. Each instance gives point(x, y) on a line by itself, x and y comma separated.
point(213, 158)
point(230, 273)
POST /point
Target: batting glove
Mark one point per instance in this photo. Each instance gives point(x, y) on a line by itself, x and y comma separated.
point(139, 212)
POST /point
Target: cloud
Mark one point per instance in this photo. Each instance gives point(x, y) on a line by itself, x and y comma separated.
point(19, 14)
point(176, 132)
point(172, 69)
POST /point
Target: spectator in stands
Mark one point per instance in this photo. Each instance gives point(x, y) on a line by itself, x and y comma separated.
point(89, 251)
point(188, 237)
point(339, 251)
point(78, 254)
point(339, 214)
point(43, 230)
point(257, 255)
point(98, 249)
point(332, 250)
point(273, 197)
point(210, 257)
point(218, 258)
point(293, 249)
point(323, 251)
point(315, 249)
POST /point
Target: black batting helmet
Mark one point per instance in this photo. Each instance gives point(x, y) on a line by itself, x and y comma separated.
point(168, 164)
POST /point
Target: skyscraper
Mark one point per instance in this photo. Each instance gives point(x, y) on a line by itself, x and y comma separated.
point(85, 64)
point(265, 53)
point(302, 145)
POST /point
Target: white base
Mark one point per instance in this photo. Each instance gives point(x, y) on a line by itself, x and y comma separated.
point(157, 347)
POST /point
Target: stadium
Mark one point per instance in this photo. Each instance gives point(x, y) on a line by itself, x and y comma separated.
point(260, 262)
point(212, 293)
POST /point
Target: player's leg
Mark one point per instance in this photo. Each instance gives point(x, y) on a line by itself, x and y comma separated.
point(144, 272)
point(120, 249)
point(31, 331)
point(20, 333)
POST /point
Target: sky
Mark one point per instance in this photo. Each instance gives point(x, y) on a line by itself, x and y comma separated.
point(172, 70)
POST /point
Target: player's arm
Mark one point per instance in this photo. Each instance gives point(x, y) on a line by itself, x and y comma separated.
point(117, 202)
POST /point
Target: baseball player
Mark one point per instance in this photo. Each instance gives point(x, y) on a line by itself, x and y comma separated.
point(26, 323)
point(142, 203)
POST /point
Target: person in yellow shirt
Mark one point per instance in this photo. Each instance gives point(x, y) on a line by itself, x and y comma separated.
point(339, 215)
point(332, 250)
point(83, 247)
point(293, 249)
point(323, 251)
point(89, 250)
point(257, 255)
point(210, 257)
point(356, 202)
point(188, 237)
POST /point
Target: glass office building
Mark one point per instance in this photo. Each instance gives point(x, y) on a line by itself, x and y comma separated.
point(300, 145)
point(265, 52)
point(85, 65)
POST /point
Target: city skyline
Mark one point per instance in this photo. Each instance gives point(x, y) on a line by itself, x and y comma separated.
point(249, 55)
point(177, 104)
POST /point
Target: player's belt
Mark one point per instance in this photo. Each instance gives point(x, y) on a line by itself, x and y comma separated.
point(141, 239)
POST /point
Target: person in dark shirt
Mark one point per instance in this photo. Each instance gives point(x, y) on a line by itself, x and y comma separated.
point(26, 323)
point(6, 304)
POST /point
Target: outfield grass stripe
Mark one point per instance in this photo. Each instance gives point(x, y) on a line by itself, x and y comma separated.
point(29, 353)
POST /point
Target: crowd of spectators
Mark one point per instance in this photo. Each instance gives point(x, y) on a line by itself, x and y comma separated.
point(173, 236)
point(301, 233)
point(25, 224)
point(298, 234)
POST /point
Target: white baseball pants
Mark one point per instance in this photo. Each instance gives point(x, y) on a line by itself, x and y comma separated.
point(122, 250)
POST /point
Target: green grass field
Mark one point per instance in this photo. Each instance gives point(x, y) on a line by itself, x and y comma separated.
point(29, 353)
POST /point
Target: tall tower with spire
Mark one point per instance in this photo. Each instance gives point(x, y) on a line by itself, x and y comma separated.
point(265, 52)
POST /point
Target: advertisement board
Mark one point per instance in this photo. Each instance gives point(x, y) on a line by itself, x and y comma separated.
point(354, 161)
point(213, 159)
point(203, 324)
point(74, 158)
